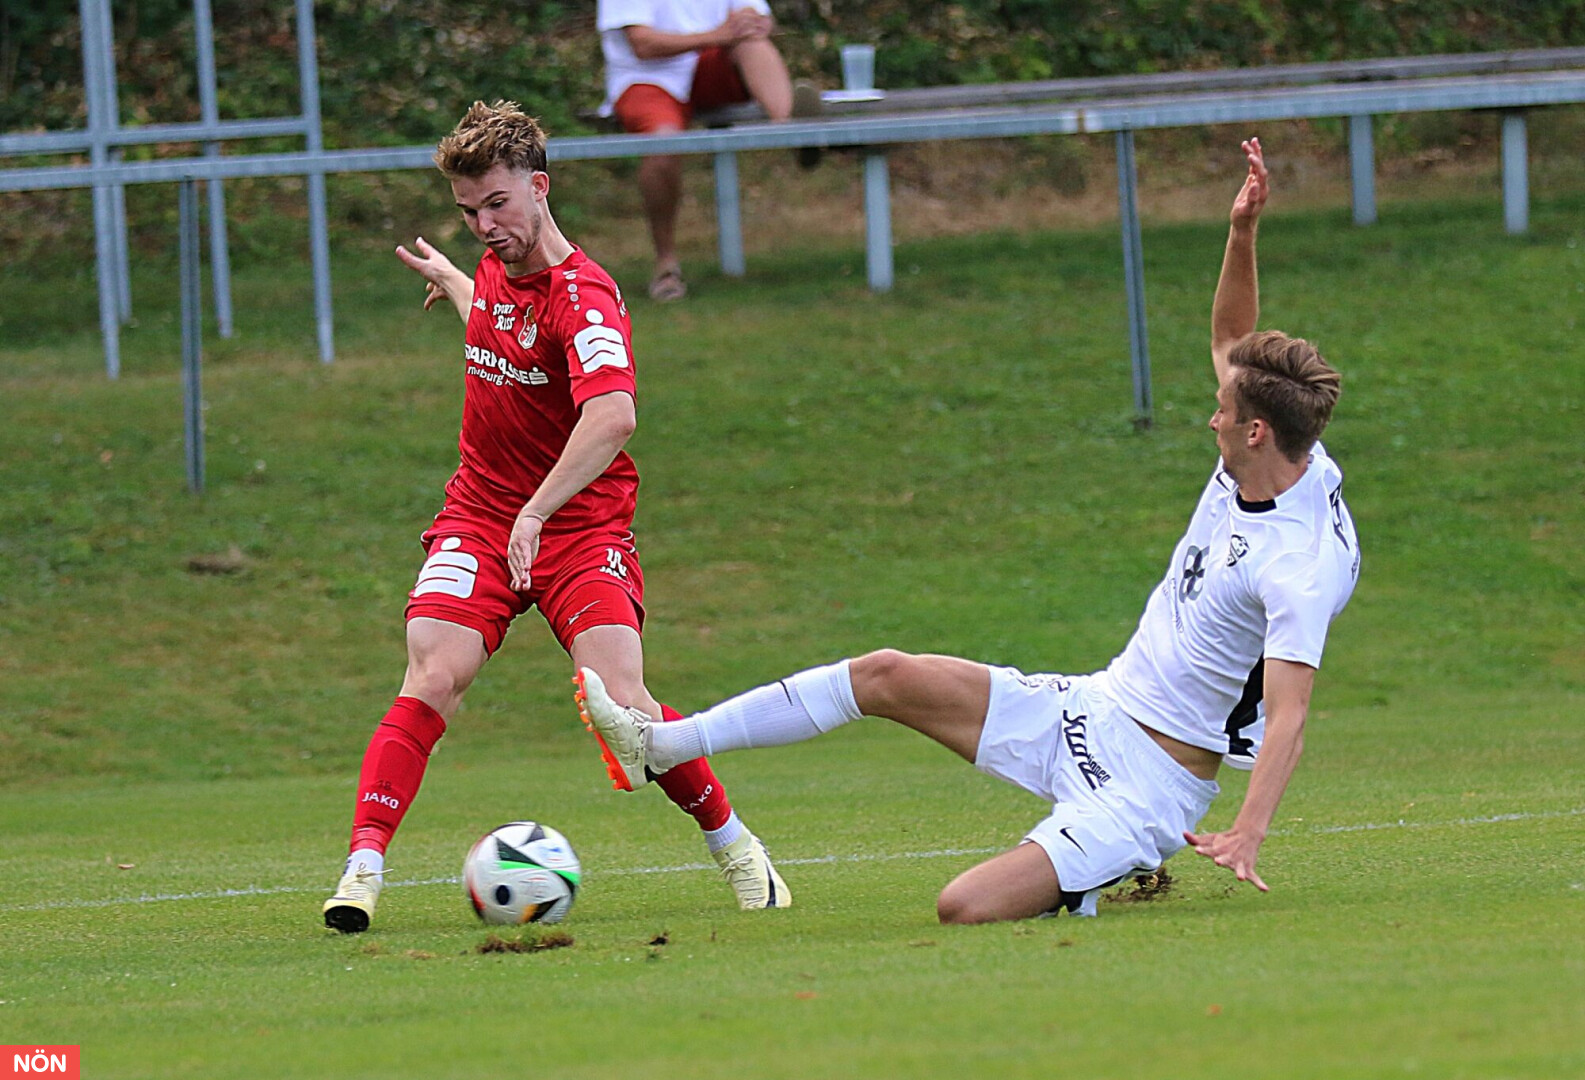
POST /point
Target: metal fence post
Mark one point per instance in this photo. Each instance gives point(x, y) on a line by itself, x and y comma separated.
point(103, 44)
point(1515, 174)
point(728, 216)
point(318, 226)
point(1362, 167)
point(878, 220)
point(219, 256)
point(1134, 275)
point(192, 334)
point(104, 215)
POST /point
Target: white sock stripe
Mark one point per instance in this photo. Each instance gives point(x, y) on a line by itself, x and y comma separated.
point(818, 860)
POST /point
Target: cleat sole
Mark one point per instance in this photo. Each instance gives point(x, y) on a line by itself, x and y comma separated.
point(613, 768)
point(346, 919)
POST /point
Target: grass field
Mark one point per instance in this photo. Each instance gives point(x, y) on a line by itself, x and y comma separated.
point(949, 468)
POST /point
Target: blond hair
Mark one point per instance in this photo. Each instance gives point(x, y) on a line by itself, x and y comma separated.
point(1284, 381)
point(491, 135)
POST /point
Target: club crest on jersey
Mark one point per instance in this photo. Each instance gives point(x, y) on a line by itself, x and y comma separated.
point(530, 331)
point(1237, 548)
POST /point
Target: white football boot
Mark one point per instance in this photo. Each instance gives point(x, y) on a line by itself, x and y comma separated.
point(353, 905)
point(617, 728)
point(747, 868)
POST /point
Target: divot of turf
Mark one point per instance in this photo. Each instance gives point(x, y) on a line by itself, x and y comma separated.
point(1144, 890)
point(494, 943)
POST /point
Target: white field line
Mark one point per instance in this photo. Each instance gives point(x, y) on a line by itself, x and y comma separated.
point(270, 890)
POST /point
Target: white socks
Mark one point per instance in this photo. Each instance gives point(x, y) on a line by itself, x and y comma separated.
point(799, 707)
point(370, 858)
point(717, 839)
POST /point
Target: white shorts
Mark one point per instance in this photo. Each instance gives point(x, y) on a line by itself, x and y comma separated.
point(1120, 803)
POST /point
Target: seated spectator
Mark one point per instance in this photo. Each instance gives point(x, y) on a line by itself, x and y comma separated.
point(664, 59)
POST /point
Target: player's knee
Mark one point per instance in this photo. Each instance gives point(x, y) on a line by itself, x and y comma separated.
point(879, 679)
point(438, 685)
point(957, 905)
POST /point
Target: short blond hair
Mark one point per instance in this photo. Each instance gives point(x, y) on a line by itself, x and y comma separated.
point(491, 135)
point(1284, 381)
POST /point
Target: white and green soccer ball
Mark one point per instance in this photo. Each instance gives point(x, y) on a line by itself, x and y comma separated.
point(524, 872)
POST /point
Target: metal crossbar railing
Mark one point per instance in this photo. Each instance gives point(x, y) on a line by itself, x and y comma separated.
point(1179, 82)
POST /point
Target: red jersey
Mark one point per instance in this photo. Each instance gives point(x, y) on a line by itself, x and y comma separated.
point(537, 347)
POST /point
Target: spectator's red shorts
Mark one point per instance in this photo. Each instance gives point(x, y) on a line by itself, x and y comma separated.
point(578, 580)
point(645, 107)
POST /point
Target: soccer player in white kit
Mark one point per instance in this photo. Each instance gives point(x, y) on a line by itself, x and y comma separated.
point(1220, 668)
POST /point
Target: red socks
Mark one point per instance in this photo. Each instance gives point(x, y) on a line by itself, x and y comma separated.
point(393, 767)
point(693, 786)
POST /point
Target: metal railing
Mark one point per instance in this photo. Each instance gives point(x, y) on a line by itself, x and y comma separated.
point(105, 138)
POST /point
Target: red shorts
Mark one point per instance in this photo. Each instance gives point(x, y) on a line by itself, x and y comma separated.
point(644, 107)
point(578, 580)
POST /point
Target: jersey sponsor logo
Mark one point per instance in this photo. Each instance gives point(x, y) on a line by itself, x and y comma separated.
point(1077, 739)
point(448, 571)
point(485, 364)
point(1193, 580)
point(505, 316)
point(1237, 548)
point(599, 345)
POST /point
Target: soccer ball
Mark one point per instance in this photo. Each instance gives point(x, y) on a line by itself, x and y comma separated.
point(521, 873)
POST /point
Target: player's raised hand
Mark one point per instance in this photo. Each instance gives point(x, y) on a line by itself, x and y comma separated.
point(522, 547)
point(442, 278)
point(1252, 197)
point(1232, 849)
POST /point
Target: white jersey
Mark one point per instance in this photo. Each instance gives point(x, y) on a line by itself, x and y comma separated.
point(1248, 582)
point(673, 74)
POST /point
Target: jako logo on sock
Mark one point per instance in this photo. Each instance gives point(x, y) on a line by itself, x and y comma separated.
point(709, 790)
point(384, 800)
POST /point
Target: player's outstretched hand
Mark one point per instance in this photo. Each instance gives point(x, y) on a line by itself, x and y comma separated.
point(1233, 850)
point(1252, 197)
point(443, 279)
point(522, 547)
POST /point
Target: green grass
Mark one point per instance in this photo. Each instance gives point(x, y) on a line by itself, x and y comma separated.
point(950, 468)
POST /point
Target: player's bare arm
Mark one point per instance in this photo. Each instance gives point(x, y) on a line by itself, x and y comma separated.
point(603, 428)
point(1237, 305)
point(1287, 692)
point(442, 278)
point(741, 25)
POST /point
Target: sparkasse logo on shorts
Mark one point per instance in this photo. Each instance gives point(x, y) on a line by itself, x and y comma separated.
point(31, 1059)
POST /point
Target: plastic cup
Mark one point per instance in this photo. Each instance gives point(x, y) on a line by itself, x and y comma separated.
point(858, 67)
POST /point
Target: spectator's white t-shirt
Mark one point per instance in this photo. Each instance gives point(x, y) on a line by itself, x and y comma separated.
point(674, 74)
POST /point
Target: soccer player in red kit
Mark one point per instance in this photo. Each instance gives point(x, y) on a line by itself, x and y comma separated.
point(539, 512)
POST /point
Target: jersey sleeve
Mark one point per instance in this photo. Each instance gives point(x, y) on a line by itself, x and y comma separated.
point(1298, 599)
point(615, 14)
point(598, 342)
